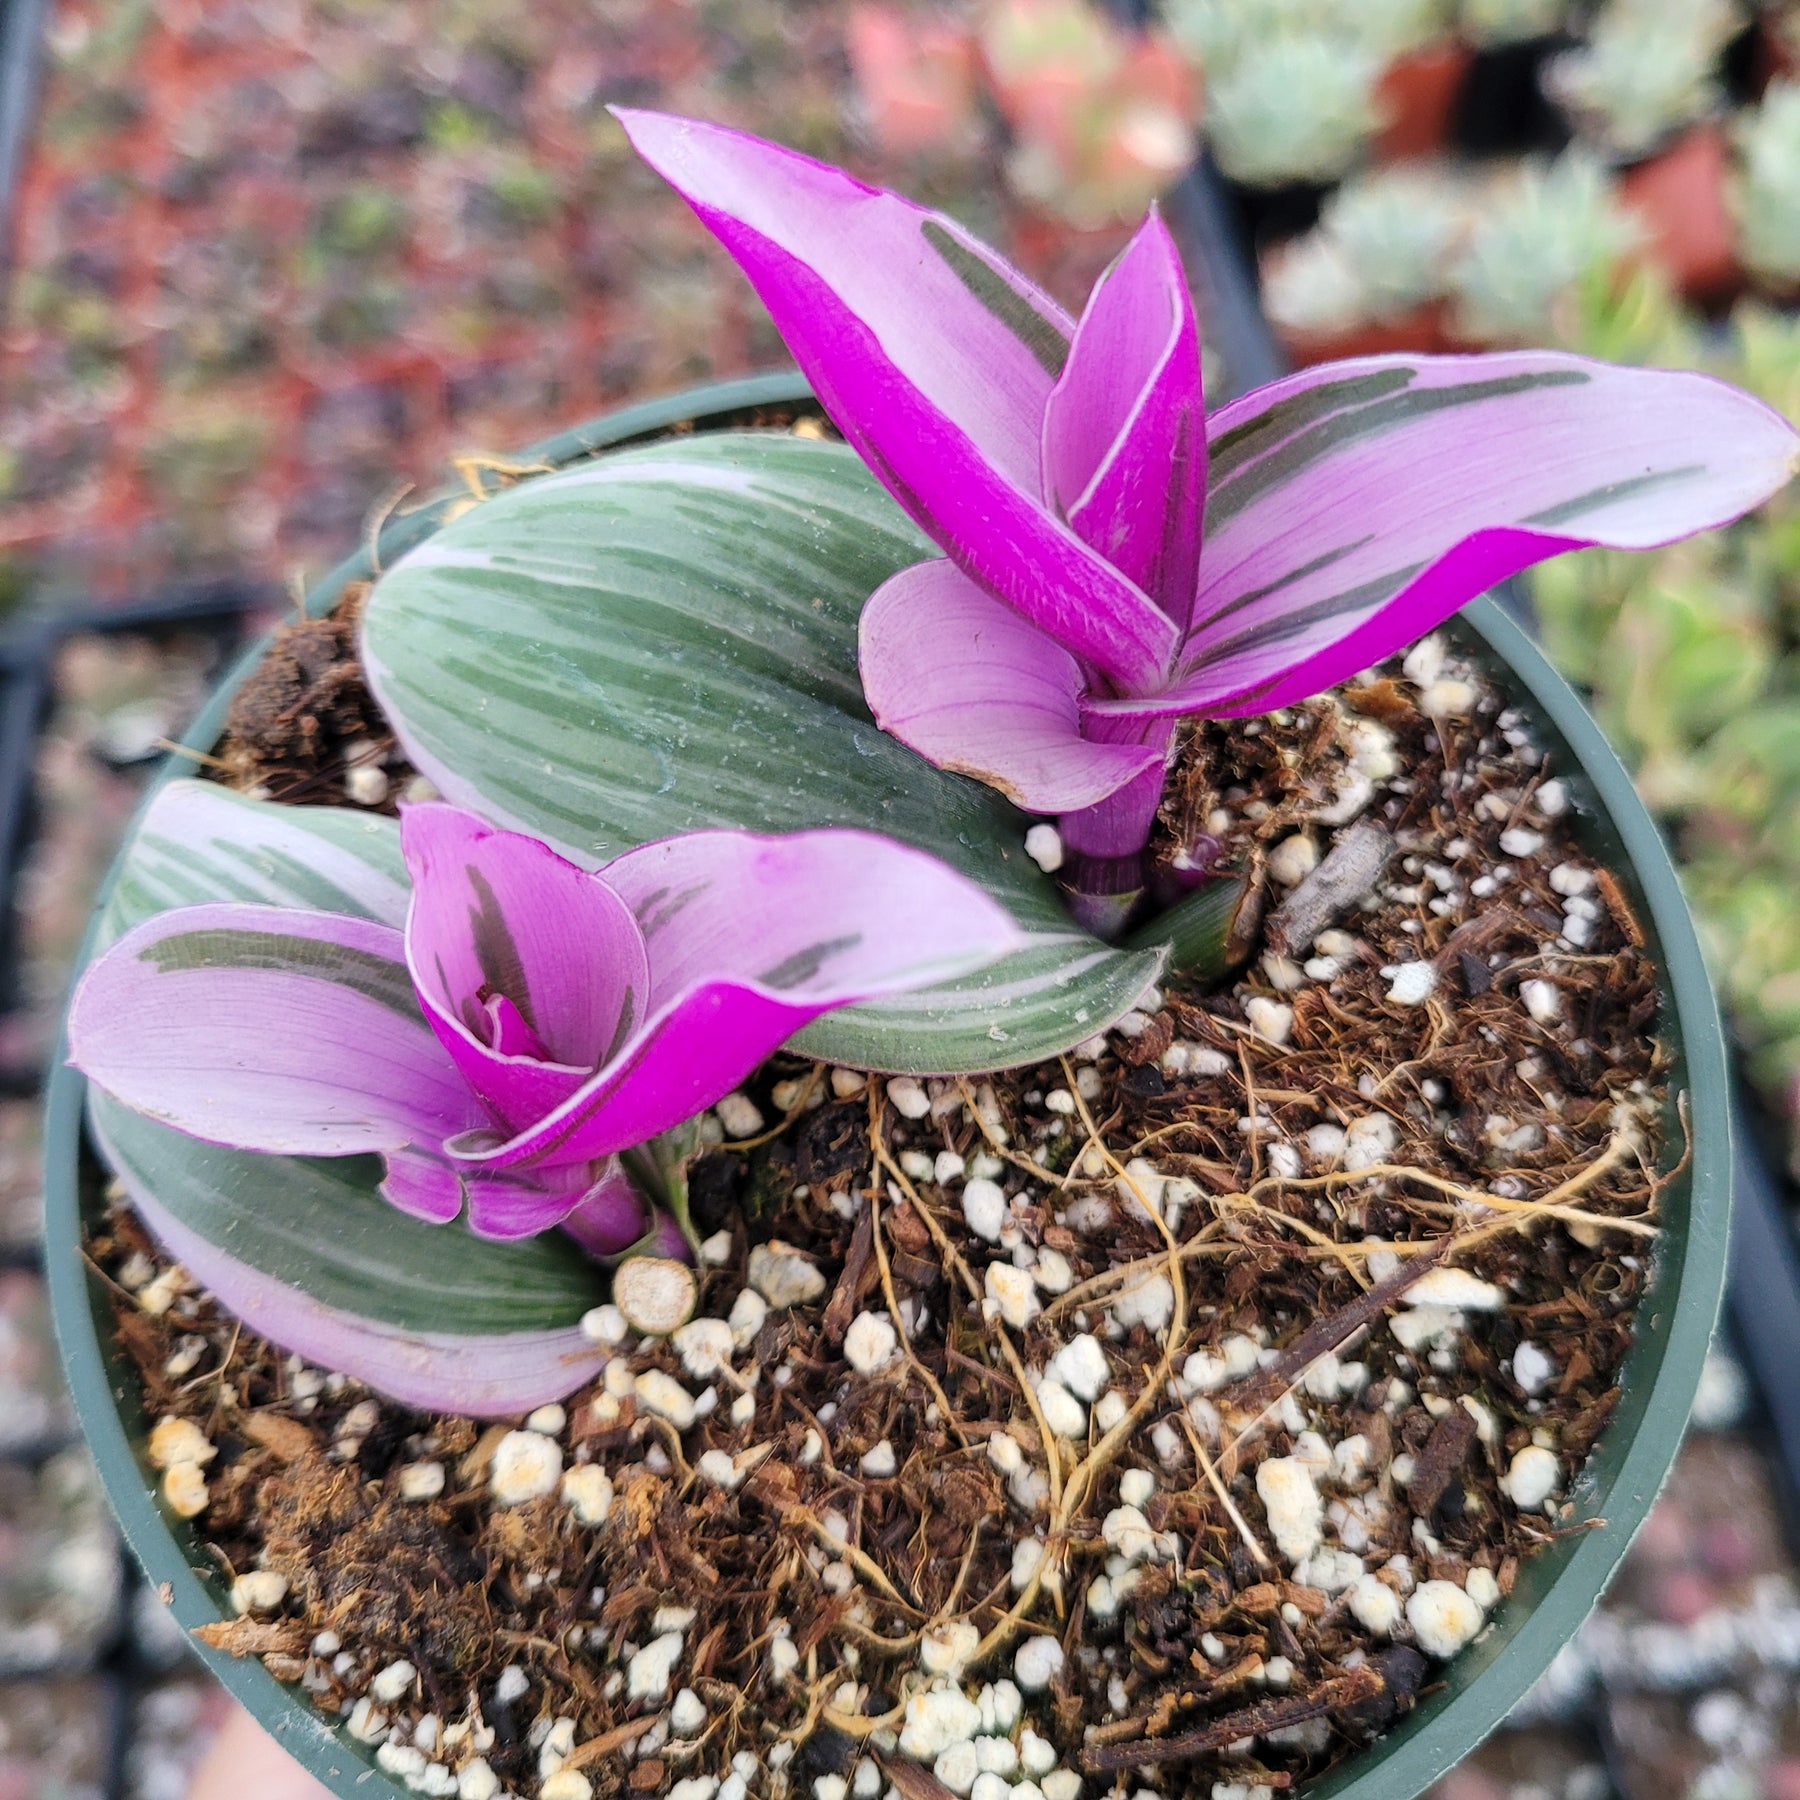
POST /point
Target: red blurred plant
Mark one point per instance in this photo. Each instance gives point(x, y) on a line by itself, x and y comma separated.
point(916, 76)
point(1102, 118)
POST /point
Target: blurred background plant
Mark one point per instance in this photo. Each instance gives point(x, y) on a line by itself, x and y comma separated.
point(1692, 657)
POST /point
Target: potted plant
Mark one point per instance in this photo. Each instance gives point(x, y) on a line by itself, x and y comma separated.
point(1645, 88)
point(1768, 142)
point(1290, 101)
point(1421, 86)
point(1372, 277)
point(1546, 229)
point(928, 1416)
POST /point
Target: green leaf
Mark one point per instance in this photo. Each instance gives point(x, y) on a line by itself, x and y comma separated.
point(664, 640)
point(318, 1224)
point(199, 842)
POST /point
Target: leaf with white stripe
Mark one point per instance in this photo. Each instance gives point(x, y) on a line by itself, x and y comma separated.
point(664, 640)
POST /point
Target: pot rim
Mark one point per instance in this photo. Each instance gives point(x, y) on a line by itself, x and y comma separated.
point(1661, 1374)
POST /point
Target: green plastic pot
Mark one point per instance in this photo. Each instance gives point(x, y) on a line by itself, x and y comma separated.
point(1555, 1591)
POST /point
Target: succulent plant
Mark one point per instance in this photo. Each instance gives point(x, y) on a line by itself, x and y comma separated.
point(1545, 228)
point(1293, 107)
point(1384, 245)
point(1767, 195)
point(1399, 228)
point(1489, 23)
point(1391, 28)
point(1649, 67)
point(1311, 287)
point(1218, 33)
point(1693, 658)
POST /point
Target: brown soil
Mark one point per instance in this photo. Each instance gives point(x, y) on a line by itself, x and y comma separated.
point(1501, 1128)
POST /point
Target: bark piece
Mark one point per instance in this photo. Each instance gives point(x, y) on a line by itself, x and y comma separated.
point(1436, 1466)
point(1351, 867)
point(1352, 1688)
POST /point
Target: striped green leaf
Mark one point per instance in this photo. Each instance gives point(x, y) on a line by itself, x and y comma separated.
point(664, 640)
point(199, 842)
point(317, 1224)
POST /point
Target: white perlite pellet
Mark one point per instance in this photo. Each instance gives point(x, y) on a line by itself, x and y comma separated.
point(957, 1766)
point(1532, 1367)
point(704, 1346)
point(587, 1491)
point(945, 1649)
point(1062, 1784)
point(1293, 859)
point(1272, 1020)
point(667, 1398)
point(1063, 1413)
point(1136, 1486)
point(549, 1419)
point(1037, 1756)
point(1543, 1001)
point(1443, 1618)
point(1411, 983)
point(526, 1465)
point(1482, 1588)
point(879, 1462)
point(1012, 1294)
point(402, 1760)
point(477, 1781)
point(176, 1441)
point(1454, 1288)
point(984, 1207)
point(420, 1481)
point(719, 1468)
point(1080, 1365)
point(936, 1720)
point(871, 1343)
point(647, 1674)
point(748, 1311)
point(697, 1787)
point(1449, 698)
point(1369, 1140)
point(783, 1275)
point(604, 1325)
point(908, 1098)
point(1292, 1504)
point(1519, 840)
point(1038, 1663)
point(1375, 1606)
point(567, 1784)
point(1127, 1533)
point(387, 1685)
point(1531, 1478)
point(258, 1591)
point(1150, 1303)
point(1044, 845)
point(996, 1755)
point(688, 1713)
point(740, 1116)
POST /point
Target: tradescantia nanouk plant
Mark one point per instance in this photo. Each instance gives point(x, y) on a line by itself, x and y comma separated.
point(532, 1022)
point(739, 736)
point(1116, 560)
